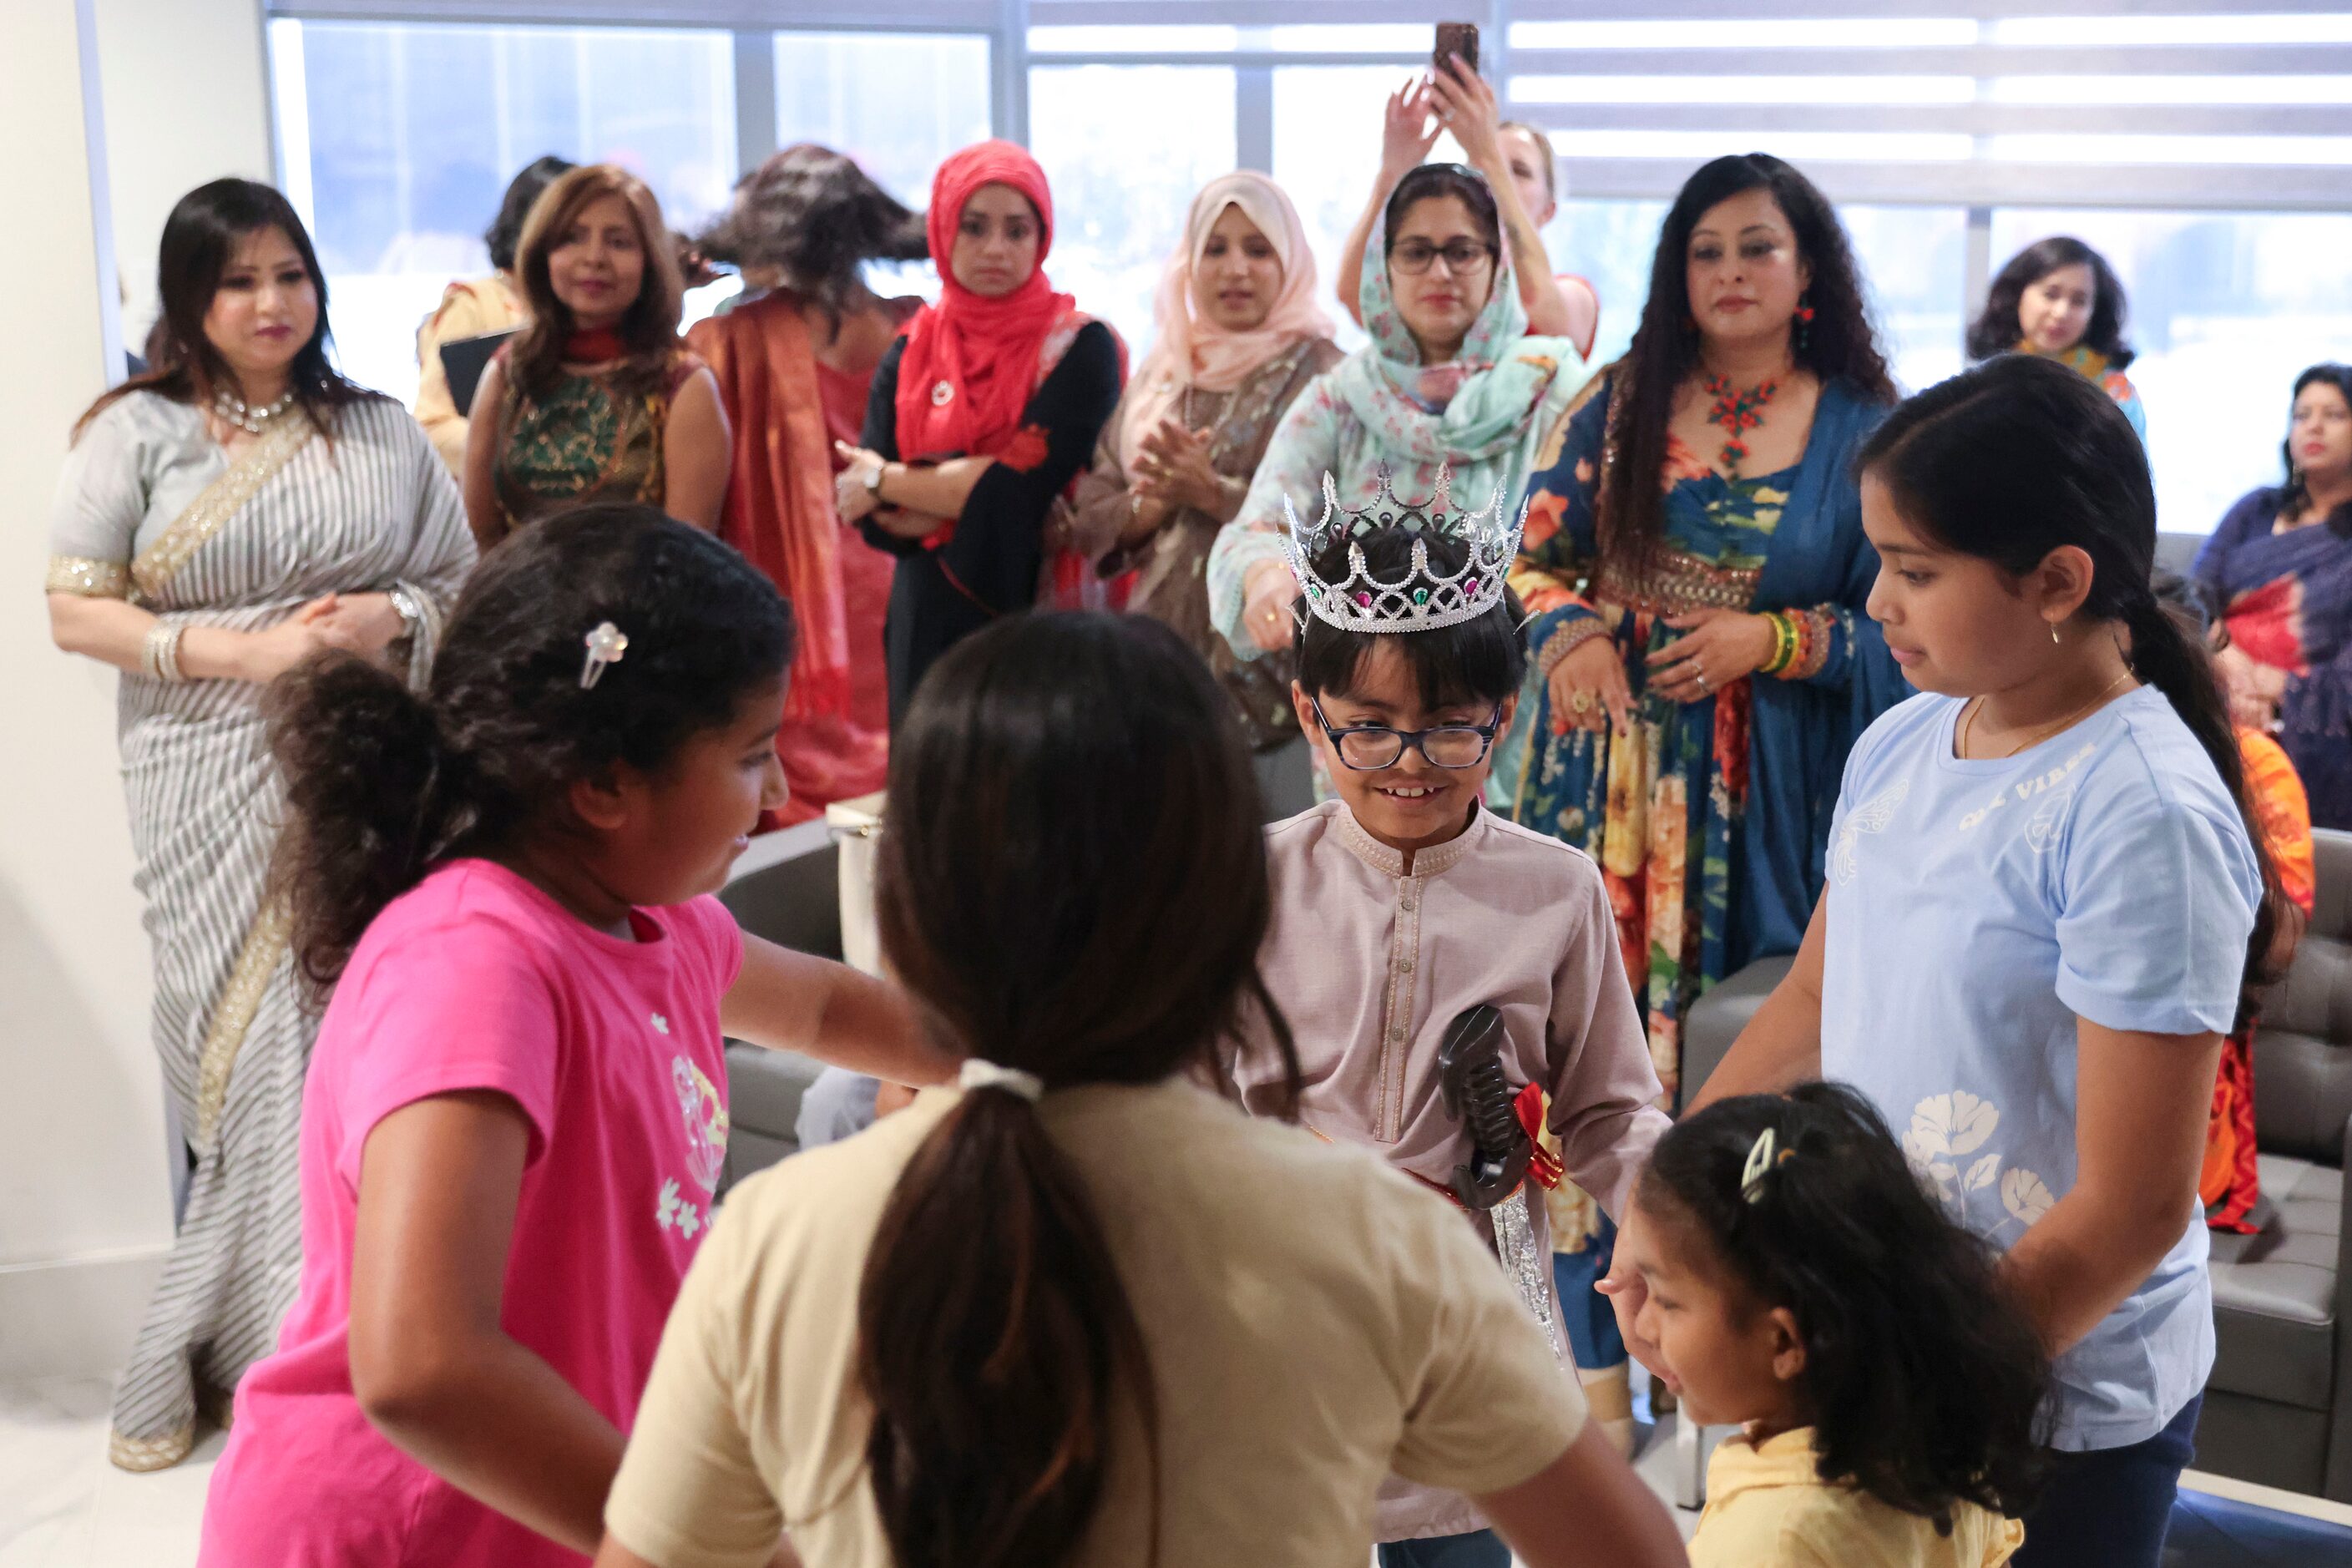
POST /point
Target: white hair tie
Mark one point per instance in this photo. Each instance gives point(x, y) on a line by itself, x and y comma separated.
point(978, 1074)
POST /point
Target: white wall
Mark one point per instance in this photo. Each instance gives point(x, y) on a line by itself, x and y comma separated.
point(187, 100)
point(85, 1211)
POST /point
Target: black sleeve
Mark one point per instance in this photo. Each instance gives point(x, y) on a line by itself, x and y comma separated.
point(881, 436)
point(998, 540)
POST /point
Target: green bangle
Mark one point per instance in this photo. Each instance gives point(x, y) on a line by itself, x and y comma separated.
point(1784, 643)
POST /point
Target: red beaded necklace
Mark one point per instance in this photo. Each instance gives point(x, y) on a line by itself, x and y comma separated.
point(1738, 412)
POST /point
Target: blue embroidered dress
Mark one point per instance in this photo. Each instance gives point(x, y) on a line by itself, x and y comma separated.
point(1711, 819)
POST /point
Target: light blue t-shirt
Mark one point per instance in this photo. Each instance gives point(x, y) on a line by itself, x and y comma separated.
point(1975, 910)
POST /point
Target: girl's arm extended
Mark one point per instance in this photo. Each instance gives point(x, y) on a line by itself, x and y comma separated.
point(439, 1180)
point(794, 1001)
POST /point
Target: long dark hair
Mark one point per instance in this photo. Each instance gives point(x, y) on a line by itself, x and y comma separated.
point(381, 781)
point(505, 232)
point(2020, 456)
point(200, 238)
point(1996, 329)
point(1838, 344)
point(816, 217)
point(648, 328)
point(2295, 495)
point(1073, 883)
point(1922, 1377)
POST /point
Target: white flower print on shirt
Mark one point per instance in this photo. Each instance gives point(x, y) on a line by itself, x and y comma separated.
point(1872, 817)
point(675, 1212)
point(1945, 1128)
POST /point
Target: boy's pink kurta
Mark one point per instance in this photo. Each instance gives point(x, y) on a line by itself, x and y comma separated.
point(1369, 965)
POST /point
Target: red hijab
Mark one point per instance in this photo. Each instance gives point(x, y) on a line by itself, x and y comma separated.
point(971, 362)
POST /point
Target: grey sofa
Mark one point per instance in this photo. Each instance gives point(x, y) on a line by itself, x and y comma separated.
point(2278, 1408)
point(784, 889)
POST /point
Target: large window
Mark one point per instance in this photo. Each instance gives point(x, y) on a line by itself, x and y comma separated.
point(897, 102)
point(397, 140)
point(1126, 146)
point(1913, 260)
point(2210, 155)
point(2225, 309)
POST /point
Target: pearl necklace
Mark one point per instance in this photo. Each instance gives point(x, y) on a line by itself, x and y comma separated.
point(232, 409)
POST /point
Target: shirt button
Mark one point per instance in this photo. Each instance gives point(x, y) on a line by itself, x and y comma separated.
point(1404, 964)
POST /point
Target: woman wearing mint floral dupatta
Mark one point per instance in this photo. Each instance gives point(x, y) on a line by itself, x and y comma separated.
point(1450, 381)
point(1705, 656)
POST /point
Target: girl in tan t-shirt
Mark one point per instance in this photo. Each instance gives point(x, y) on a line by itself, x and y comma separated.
point(1084, 1311)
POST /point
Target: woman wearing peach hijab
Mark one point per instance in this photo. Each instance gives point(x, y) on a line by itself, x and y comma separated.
point(1239, 335)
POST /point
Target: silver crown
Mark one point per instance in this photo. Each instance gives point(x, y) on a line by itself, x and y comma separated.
point(1423, 599)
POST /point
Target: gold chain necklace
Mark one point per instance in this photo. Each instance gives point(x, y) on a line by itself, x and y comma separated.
point(1968, 721)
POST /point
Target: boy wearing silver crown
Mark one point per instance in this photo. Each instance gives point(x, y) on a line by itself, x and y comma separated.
point(1443, 968)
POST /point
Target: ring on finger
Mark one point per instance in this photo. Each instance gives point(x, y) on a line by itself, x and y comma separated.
point(1581, 703)
point(1700, 676)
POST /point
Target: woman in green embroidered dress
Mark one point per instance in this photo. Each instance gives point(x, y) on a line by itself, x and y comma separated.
point(595, 398)
point(221, 518)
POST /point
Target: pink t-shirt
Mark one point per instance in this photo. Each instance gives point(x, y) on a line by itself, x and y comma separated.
point(477, 980)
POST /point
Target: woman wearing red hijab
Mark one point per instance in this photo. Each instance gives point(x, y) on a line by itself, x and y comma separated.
point(981, 417)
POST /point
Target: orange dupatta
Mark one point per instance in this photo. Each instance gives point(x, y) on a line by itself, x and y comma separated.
point(779, 509)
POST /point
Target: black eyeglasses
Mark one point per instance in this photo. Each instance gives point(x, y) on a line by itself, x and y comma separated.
point(1367, 748)
point(1415, 256)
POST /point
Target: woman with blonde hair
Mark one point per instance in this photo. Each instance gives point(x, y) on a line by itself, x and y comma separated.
point(595, 399)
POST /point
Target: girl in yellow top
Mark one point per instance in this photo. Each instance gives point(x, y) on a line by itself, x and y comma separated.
point(1803, 1284)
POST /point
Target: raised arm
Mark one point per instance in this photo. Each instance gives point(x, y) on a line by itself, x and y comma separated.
point(1409, 128)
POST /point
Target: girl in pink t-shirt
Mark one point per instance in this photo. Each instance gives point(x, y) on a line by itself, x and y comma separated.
point(517, 1109)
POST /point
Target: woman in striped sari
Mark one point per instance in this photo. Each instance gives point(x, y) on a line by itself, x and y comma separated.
point(220, 519)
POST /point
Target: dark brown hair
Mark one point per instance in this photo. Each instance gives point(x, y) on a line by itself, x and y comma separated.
point(1073, 883)
point(382, 782)
point(1923, 1378)
point(523, 191)
point(1838, 344)
point(649, 326)
point(200, 239)
point(1996, 329)
point(817, 217)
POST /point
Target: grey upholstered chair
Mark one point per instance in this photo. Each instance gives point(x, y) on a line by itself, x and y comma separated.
point(2278, 1408)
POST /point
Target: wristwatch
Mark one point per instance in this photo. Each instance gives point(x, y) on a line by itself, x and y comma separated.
point(874, 481)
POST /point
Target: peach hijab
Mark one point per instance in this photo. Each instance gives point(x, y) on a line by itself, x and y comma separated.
point(1192, 352)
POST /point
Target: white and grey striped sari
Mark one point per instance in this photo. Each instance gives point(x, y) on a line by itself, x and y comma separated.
point(153, 509)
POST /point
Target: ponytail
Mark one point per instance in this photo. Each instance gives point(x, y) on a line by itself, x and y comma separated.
point(2165, 657)
point(992, 1326)
point(1072, 886)
point(372, 795)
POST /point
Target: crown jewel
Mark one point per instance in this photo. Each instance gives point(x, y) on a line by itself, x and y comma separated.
point(1423, 599)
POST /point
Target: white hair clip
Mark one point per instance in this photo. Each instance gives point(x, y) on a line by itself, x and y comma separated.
point(1763, 1156)
point(606, 644)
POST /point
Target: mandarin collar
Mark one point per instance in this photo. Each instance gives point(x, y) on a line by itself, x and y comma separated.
point(1433, 861)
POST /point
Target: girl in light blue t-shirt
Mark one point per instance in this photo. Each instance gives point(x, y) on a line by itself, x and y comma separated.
point(2043, 900)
